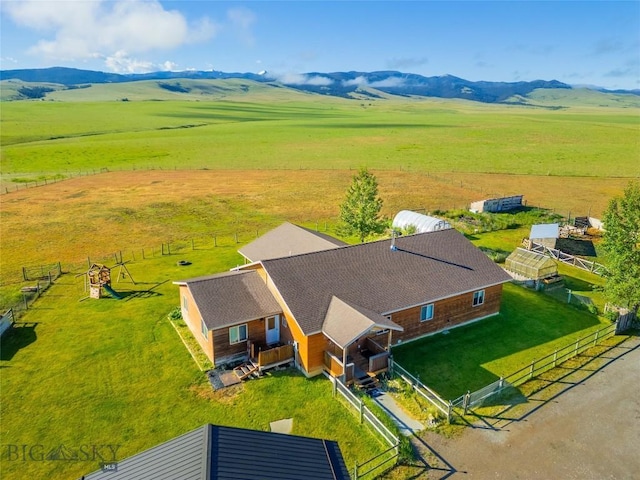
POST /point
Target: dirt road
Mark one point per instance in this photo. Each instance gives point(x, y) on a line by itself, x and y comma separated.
point(590, 430)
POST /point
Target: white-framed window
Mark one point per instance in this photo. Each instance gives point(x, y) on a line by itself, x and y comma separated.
point(426, 312)
point(204, 329)
point(478, 298)
point(238, 334)
point(185, 303)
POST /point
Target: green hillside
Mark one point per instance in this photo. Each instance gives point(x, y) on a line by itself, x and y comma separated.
point(577, 97)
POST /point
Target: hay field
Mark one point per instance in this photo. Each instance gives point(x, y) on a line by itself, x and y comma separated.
point(99, 214)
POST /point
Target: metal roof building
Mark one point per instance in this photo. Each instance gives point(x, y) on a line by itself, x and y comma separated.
point(423, 223)
point(212, 452)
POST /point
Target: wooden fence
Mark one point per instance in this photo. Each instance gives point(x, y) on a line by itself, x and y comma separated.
point(425, 392)
point(559, 255)
point(535, 368)
point(388, 458)
point(6, 322)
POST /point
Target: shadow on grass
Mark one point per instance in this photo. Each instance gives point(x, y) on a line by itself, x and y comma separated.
point(454, 363)
point(547, 387)
point(16, 338)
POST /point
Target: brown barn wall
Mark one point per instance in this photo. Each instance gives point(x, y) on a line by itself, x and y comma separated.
point(192, 318)
point(447, 313)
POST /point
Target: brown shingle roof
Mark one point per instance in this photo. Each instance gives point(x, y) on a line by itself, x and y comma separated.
point(344, 323)
point(287, 240)
point(230, 298)
point(424, 268)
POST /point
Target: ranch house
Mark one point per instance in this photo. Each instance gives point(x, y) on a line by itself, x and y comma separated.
point(343, 307)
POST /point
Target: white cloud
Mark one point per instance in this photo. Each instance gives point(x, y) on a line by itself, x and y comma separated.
point(357, 82)
point(300, 79)
point(169, 66)
point(84, 29)
point(241, 20)
point(121, 62)
point(388, 82)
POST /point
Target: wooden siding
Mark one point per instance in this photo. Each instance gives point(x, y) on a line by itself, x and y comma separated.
point(292, 332)
point(447, 313)
point(224, 351)
point(192, 318)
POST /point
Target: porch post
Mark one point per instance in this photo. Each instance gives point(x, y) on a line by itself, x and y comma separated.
point(344, 366)
point(389, 341)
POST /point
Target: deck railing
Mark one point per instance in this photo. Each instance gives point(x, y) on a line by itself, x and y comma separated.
point(275, 355)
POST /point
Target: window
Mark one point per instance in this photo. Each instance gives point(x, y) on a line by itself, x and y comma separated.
point(205, 330)
point(426, 312)
point(238, 334)
point(478, 298)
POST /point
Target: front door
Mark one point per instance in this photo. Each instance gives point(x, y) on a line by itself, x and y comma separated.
point(273, 329)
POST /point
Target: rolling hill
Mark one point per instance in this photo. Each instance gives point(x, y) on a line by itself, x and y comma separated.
point(68, 84)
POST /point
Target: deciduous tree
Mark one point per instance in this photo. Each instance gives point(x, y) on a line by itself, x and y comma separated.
point(622, 247)
point(360, 210)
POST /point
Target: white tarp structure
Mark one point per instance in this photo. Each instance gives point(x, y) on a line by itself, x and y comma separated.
point(423, 223)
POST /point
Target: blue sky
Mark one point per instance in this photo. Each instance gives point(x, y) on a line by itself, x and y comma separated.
point(577, 42)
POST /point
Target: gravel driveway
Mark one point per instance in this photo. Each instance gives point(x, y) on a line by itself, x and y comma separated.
point(588, 429)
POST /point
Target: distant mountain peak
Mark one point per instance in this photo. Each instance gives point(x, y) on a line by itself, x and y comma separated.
point(350, 84)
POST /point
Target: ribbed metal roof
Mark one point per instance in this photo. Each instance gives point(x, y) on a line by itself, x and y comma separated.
point(422, 223)
point(211, 452)
point(545, 230)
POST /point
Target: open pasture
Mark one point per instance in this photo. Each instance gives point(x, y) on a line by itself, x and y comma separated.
point(48, 138)
point(100, 214)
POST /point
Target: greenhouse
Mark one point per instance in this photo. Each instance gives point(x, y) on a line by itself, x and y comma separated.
point(531, 264)
point(422, 223)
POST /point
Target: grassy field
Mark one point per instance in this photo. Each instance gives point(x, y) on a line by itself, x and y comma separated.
point(420, 136)
point(115, 372)
point(530, 326)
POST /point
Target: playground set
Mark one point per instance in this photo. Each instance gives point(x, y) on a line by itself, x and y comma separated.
point(98, 280)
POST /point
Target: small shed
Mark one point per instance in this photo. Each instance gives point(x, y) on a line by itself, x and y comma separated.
point(423, 223)
point(545, 234)
point(535, 266)
point(495, 205)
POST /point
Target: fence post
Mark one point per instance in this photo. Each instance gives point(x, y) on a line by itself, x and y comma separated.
point(555, 358)
point(24, 274)
point(355, 471)
point(501, 383)
point(335, 386)
point(193, 247)
point(361, 409)
point(236, 237)
point(576, 351)
point(215, 240)
point(531, 370)
point(595, 341)
point(465, 402)
point(450, 407)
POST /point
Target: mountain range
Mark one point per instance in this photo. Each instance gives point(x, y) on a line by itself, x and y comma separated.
point(340, 84)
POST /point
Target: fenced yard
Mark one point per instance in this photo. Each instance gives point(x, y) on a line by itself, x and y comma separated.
point(530, 326)
point(81, 368)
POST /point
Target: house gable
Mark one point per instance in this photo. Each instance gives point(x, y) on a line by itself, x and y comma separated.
point(286, 240)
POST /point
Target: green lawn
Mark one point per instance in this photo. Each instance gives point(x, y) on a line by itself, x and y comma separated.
point(529, 326)
point(115, 372)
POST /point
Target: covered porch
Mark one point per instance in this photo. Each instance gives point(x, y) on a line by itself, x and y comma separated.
point(358, 341)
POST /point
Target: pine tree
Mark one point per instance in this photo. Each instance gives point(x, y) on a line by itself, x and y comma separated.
point(360, 210)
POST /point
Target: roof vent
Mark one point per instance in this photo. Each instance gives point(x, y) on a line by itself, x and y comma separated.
point(393, 240)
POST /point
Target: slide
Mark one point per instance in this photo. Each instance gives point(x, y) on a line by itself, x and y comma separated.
point(112, 292)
